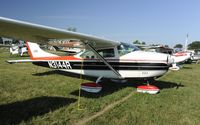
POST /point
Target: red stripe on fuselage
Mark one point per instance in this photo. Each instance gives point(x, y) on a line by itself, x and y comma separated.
point(57, 58)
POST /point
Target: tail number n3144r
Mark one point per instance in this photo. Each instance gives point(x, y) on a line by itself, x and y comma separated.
point(59, 64)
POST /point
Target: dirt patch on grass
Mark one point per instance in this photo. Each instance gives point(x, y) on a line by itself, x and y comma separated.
point(109, 107)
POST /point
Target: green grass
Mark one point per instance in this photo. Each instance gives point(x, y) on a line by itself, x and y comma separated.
point(35, 95)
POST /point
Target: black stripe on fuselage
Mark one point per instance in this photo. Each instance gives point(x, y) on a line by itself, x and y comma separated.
point(115, 65)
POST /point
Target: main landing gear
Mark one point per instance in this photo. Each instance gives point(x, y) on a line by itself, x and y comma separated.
point(150, 89)
point(92, 87)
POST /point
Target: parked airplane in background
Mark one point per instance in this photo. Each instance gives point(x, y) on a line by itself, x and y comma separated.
point(178, 57)
point(102, 58)
point(69, 46)
point(16, 49)
point(181, 57)
point(15, 46)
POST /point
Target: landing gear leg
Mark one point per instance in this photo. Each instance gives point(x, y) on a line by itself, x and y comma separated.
point(99, 79)
point(147, 82)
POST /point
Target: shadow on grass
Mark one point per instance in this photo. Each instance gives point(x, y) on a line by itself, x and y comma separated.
point(186, 67)
point(111, 87)
point(166, 85)
point(52, 72)
point(16, 112)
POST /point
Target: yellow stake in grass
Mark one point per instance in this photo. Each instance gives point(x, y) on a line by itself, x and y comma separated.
point(82, 80)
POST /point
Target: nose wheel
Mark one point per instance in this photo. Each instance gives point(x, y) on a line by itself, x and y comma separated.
point(150, 89)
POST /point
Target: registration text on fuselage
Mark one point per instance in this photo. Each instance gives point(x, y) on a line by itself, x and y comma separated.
point(59, 64)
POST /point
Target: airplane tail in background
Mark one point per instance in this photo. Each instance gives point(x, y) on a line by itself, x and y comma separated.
point(35, 51)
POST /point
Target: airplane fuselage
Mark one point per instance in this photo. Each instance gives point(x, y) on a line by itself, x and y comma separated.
point(134, 64)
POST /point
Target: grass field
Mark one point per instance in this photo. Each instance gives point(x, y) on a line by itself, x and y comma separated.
point(34, 95)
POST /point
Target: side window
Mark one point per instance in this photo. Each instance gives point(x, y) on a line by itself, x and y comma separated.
point(107, 52)
point(103, 52)
point(88, 55)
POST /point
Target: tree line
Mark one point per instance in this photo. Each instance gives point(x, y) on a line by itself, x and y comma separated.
point(192, 46)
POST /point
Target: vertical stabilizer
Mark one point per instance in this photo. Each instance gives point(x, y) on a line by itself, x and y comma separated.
point(35, 51)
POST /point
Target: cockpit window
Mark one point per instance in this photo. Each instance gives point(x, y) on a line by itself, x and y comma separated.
point(126, 48)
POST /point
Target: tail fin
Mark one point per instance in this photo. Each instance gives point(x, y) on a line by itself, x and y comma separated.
point(35, 51)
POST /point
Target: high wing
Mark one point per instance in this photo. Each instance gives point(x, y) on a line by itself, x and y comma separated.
point(39, 33)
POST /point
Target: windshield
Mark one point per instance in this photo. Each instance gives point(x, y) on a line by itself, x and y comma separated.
point(126, 48)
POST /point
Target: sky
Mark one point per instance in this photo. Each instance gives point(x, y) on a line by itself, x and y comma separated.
point(153, 21)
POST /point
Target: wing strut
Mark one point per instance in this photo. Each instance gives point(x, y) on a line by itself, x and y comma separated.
point(100, 57)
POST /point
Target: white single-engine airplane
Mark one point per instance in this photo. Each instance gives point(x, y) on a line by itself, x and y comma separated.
point(102, 58)
point(15, 49)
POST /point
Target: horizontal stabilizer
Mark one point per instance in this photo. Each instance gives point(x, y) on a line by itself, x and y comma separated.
point(22, 61)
